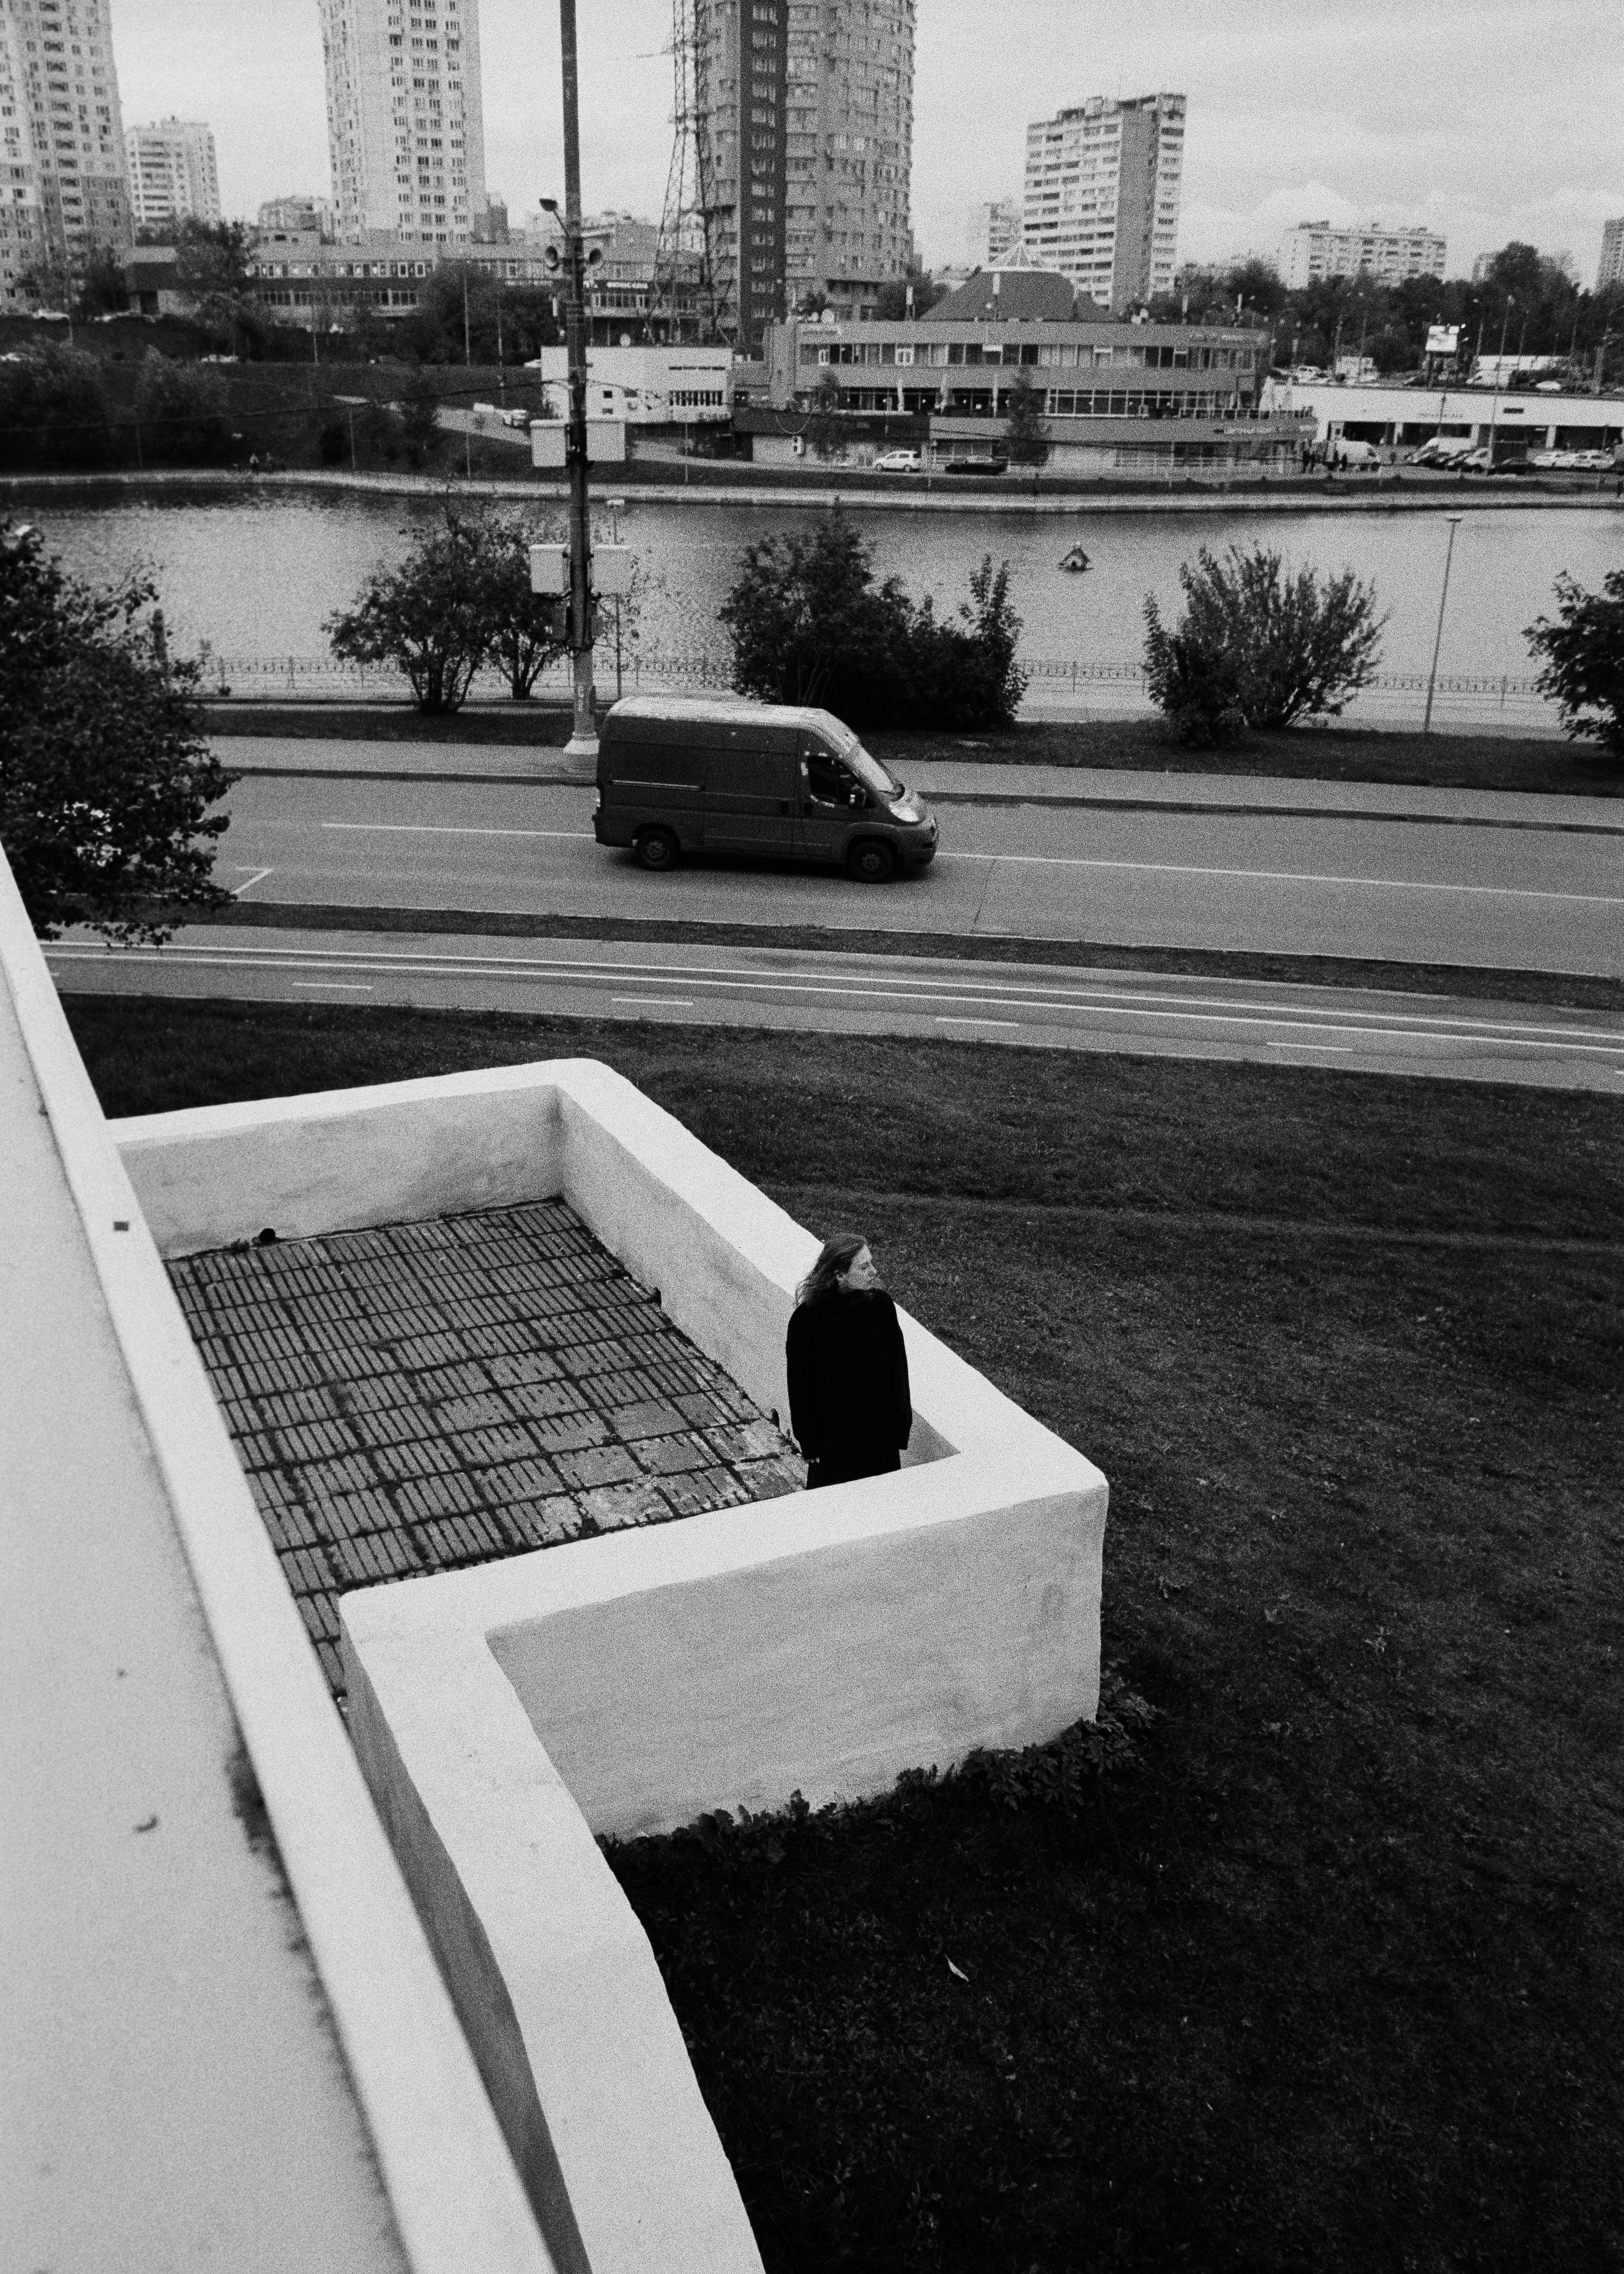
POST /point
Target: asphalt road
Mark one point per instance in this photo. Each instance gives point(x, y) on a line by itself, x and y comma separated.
point(1145, 1012)
point(1408, 892)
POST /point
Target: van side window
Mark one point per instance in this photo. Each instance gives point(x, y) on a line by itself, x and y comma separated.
point(829, 782)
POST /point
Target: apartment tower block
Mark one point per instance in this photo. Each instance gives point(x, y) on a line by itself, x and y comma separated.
point(172, 173)
point(1610, 268)
point(63, 190)
point(1101, 195)
point(805, 111)
point(405, 124)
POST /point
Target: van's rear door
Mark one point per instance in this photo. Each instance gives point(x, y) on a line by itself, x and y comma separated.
point(752, 789)
point(650, 770)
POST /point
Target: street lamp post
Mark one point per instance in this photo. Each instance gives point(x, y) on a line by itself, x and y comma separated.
point(583, 740)
point(1499, 365)
point(1432, 677)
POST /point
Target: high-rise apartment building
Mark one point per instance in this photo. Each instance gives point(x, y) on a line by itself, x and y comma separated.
point(62, 192)
point(172, 173)
point(995, 230)
point(1315, 250)
point(1101, 195)
point(1611, 268)
point(405, 122)
point(805, 119)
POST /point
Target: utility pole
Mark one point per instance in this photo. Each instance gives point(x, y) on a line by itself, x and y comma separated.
point(1437, 641)
point(583, 742)
point(468, 351)
point(1499, 365)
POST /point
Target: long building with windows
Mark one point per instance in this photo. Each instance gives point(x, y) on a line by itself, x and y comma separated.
point(63, 190)
point(1317, 249)
point(1103, 187)
point(405, 120)
point(173, 175)
point(806, 121)
point(1116, 398)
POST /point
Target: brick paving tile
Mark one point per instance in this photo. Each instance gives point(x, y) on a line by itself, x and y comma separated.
point(394, 1425)
point(596, 1464)
point(274, 1488)
point(704, 1488)
point(317, 1441)
point(564, 1433)
point(700, 1407)
point(668, 1456)
point(348, 1514)
point(482, 1448)
point(497, 1342)
point(419, 1457)
point(541, 1401)
point(630, 1385)
point(489, 1410)
point(257, 1450)
point(614, 1357)
point(647, 1417)
point(770, 1479)
point(442, 1382)
point(269, 1412)
point(544, 1523)
point(352, 1473)
point(332, 1666)
point(745, 1441)
point(613, 1506)
point(355, 1362)
point(418, 1498)
point(725, 1393)
point(527, 1366)
point(430, 1349)
point(287, 1527)
point(380, 1393)
point(308, 1569)
point(446, 1541)
point(320, 1616)
point(511, 1480)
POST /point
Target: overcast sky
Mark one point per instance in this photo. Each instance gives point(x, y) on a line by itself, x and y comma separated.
point(1487, 118)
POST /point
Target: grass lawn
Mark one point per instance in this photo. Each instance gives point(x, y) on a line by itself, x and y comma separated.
point(1345, 754)
point(1327, 1980)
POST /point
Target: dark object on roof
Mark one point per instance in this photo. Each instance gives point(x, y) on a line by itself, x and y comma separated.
point(1076, 560)
point(1010, 296)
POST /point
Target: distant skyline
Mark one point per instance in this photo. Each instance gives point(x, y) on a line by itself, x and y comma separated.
point(1484, 118)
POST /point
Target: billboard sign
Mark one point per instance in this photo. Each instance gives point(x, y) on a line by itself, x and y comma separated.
point(1443, 339)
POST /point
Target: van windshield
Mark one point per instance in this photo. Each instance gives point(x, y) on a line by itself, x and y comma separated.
point(869, 770)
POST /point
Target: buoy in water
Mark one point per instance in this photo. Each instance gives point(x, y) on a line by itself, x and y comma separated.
point(1076, 560)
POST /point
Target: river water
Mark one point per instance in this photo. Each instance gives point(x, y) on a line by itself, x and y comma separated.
point(255, 573)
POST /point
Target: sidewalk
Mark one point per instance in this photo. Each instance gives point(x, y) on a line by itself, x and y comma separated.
point(967, 782)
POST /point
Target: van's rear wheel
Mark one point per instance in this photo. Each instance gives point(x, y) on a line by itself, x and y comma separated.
point(871, 862)
point(655, 848)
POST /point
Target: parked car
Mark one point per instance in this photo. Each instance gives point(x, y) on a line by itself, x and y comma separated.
point(896, 461)
point(515, 417)
point(1443, 451)
point(1339, 453)
point(974, 466)
point(679, 775)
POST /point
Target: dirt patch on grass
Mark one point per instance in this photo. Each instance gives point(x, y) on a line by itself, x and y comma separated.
point(1330, 1980)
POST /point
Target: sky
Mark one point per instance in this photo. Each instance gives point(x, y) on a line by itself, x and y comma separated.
point(1487, 119)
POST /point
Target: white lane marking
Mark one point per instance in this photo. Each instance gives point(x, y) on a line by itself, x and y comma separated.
point(1064, 861)
point(1012, 1024)
point(387, 961)
point(1330, 1050)
point(257, 877)
point(448, 829)
point(676, 1002)
point(1101, 998)
point(332, 986)
point(1284, 876)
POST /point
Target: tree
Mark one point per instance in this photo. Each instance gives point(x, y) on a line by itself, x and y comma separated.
point(180, 412)
point(211, 273)
point(892, 306)
point(1027, 432)
point(419, 416)
point(523, 631)
point(106, 786)
point(824, 427)
point(1297, 646)
point(809, 624)
point(52, 411)
point(425, 618)
point(1583, 652)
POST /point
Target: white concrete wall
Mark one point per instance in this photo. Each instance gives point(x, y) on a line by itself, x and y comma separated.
point(820, 1642)
point(195, 2071)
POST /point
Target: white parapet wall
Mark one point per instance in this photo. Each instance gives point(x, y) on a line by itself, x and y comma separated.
point(507, 1715)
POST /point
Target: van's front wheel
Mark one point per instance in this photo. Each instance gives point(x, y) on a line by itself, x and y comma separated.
point(655, 848)
point(871, 862)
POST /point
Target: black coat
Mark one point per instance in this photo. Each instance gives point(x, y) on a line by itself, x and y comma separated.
point(848, 1381)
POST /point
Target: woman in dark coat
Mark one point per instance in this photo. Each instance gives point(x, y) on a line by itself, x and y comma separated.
point(849, 1404)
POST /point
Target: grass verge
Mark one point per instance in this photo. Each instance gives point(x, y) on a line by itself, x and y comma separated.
point(1579, 991)
point(1342, 754)
point(1328, 1981)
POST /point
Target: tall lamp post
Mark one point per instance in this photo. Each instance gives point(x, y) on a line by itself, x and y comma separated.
point(583, 742)
point(1500, 365)
point(1432, 677)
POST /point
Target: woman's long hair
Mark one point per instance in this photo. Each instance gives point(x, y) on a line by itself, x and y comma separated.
point(835, 1257)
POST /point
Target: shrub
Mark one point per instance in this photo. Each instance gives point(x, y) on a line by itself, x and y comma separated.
point(1297, 645)
point(106, 783)
point(333, 443)
point(1583, 652)
point(425, 618)
point(809, 624)
point(1026, 430)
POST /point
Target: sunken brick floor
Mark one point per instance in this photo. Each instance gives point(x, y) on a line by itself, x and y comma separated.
point(418, 1397)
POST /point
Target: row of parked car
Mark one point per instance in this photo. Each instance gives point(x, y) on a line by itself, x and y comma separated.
point(1451, 455)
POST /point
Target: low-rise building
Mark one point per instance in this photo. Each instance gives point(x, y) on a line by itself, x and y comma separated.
point(1400, 419)
point(296, 216)
point(1115, 397)
point(671, 386)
